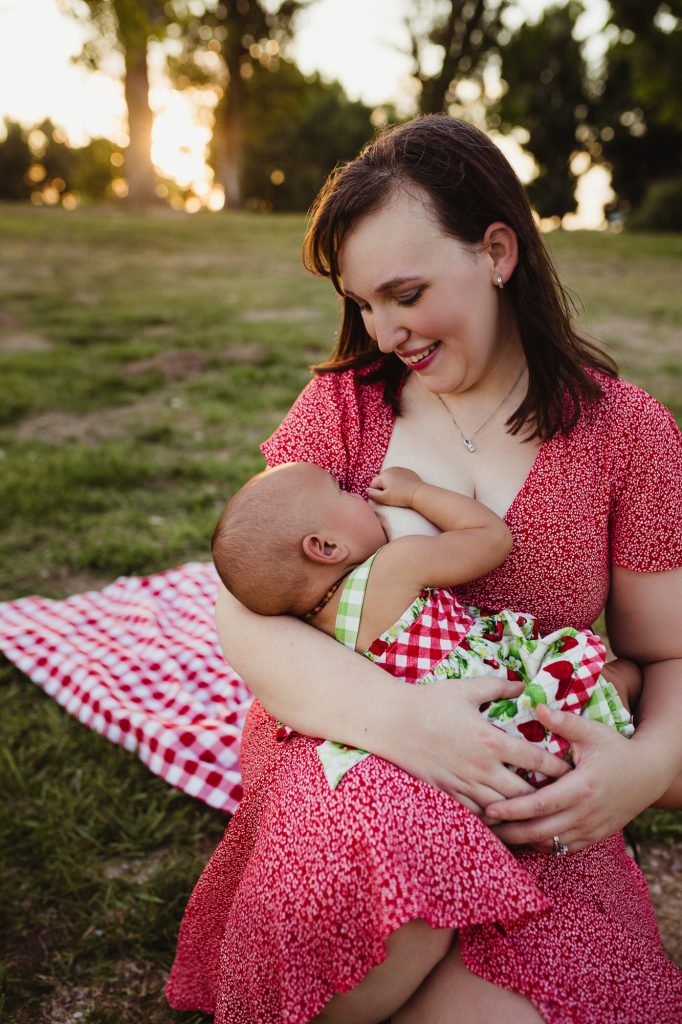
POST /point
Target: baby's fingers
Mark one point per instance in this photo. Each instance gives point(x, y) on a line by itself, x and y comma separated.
point(379, 497)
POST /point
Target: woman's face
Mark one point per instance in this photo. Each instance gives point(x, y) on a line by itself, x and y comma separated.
point(425, 295)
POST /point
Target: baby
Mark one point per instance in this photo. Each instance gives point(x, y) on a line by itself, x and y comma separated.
point(291, 541)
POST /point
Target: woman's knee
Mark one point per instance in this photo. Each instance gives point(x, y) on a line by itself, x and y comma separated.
point(412, 951)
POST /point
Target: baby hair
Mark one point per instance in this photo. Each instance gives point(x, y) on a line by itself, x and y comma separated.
point(256, 545)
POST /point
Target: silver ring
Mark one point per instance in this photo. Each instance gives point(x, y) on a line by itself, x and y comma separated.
point(560, 849)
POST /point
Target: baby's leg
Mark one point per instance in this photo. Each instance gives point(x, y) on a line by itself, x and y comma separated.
point(627, 679)
point(413, 951)
point(452, 994)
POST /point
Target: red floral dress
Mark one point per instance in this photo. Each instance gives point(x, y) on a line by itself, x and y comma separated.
point(307, 883)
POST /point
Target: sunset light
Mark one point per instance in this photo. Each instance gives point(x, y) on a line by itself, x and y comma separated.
point(180, 141)
point(42, 81)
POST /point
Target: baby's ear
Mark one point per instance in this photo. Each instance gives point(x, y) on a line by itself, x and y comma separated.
point(323, 550)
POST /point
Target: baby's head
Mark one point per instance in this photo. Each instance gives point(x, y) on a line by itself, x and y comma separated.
point(288, 534)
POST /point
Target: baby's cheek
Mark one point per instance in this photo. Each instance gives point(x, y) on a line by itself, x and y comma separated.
point(399, 522)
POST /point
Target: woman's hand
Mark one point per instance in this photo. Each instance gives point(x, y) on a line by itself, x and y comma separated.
point(444, 740)
point(614, 778)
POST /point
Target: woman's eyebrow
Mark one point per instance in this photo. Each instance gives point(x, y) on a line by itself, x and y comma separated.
point(394, 282)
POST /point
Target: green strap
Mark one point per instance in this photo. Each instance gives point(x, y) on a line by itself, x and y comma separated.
point(350, 606)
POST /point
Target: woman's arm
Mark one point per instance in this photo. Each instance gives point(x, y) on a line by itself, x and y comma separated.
point(615, 778)
point(436, 732)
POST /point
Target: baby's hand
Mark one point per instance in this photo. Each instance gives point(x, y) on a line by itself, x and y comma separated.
point(394, 486)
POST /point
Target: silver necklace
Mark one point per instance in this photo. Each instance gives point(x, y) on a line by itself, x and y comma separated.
point(469, 441)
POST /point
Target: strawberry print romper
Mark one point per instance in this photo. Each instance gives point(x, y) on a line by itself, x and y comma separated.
point(437, 638)
point(299, 897)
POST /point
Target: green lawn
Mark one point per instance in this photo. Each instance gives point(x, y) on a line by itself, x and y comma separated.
point(142, 359)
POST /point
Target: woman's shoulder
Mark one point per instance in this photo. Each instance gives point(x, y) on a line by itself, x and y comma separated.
point(348, 388)
point(338, 421)
point(623, 407)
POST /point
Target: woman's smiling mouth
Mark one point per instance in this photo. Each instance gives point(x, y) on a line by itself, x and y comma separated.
point(414, 359)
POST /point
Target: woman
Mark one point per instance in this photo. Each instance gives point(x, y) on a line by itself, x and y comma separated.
point(457, 358)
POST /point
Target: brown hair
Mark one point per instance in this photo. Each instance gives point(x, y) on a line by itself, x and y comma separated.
point(256, 545)
point(470, 185)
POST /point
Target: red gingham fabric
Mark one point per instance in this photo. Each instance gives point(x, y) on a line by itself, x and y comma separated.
point(426, 640)
point(139, 662)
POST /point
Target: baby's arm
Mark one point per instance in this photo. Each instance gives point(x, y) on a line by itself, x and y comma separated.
point(474, 540)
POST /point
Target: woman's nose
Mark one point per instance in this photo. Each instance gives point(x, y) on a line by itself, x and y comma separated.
point(389, 334)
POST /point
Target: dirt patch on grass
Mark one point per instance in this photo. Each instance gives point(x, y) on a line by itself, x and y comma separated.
point(57, 427)
point(250, 354)
point(87, 296)
point(662, 866)
point(639, 339)
point(108, 424)
point(69, 1005)
point(136, 870)
point(176, 365)
point(133, 992)
point(259, 316)
point(24, 341)
point(15, 338)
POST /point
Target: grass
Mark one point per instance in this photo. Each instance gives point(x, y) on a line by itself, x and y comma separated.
point(143, 357)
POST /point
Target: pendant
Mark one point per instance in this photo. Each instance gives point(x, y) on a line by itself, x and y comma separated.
point(470, 444)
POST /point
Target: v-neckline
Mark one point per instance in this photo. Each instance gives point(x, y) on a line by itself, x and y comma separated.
point(540, 456)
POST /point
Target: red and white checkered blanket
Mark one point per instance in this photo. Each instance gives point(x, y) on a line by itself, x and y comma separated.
point(139, 662)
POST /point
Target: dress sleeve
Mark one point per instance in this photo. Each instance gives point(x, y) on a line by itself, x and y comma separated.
point(646, 520)
point(315, 429)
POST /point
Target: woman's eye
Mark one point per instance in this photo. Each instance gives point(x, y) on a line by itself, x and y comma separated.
point(409, 300)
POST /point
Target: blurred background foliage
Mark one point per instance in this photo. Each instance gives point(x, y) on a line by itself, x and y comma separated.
point(275, 132)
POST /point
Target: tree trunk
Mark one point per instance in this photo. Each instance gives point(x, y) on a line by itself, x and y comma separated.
point(229, 136)
point(139, 172)
point(455, 36)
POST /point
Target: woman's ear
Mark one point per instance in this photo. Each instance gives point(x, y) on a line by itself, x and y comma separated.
point(323, 550)
point(502, 246)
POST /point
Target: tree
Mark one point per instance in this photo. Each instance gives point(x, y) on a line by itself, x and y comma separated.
point(296, 129)
point(15, 160)
point(548, 95)
point(638, 120)
point(127, 26)
point(38, 161)
point(227, 44)
point(464, 33)
point(651, 34)
point(625, 114)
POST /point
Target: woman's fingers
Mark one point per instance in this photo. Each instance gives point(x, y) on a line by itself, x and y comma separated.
point(540, 804)
point(486, 688)
point(542, 837)
point(523, 754)
point(509, 749)
point(593, 801)
point(468, 756)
